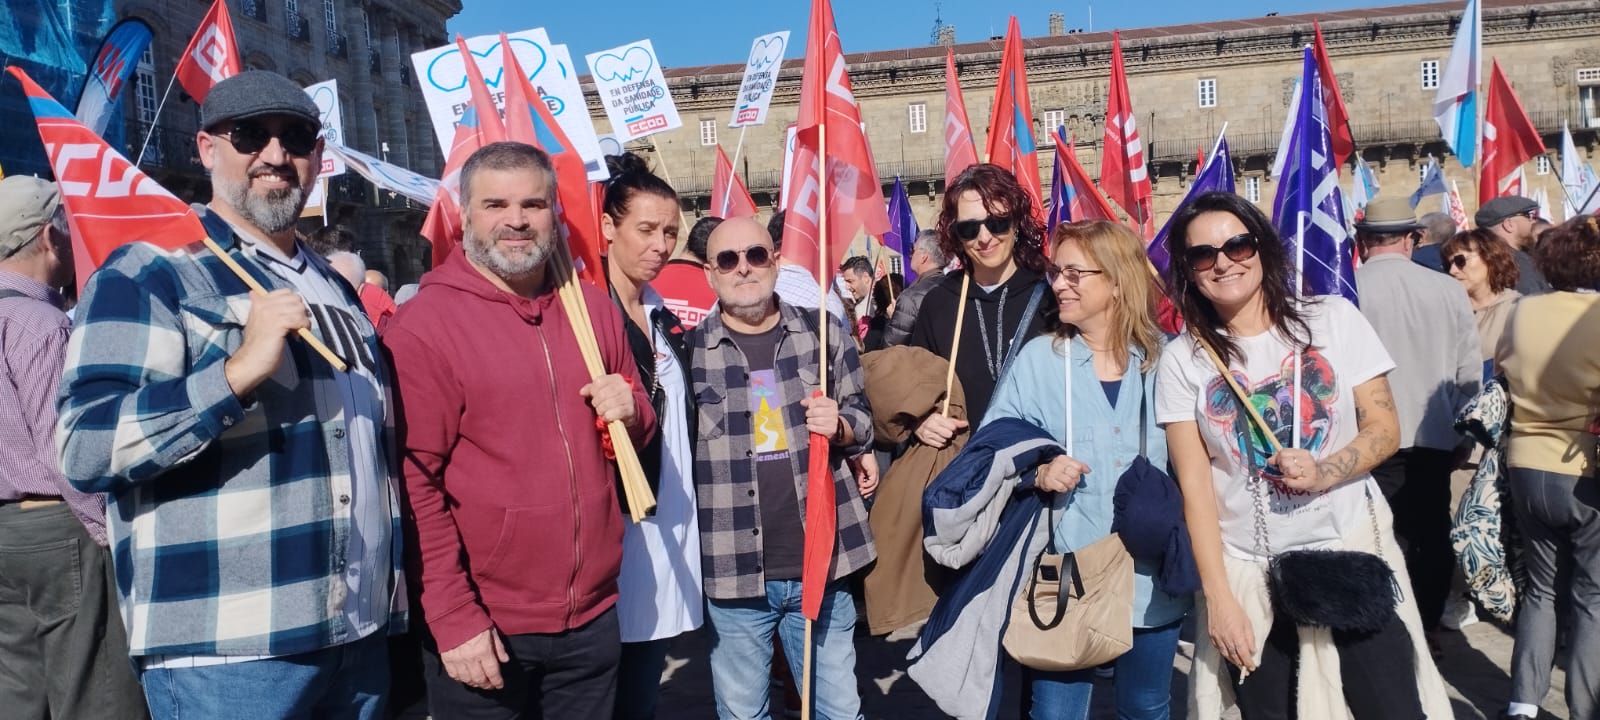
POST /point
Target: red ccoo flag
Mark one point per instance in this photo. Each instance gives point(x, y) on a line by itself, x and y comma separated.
point(1344, 143)
point(822, 524)
point(110, 203)
point(1081, 198)
point(728, 191)
point(1509, 139)
point(960, 152)
point(528, 120)
point(1011, 144)
point(1122, 164)
point(478, 126)
point(854, 196)
point(212, 55)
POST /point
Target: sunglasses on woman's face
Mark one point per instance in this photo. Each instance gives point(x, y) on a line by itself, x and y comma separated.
point(1238, 248)
point(967, 230)
point(1459, 262)
point(759, 256)
point(250, 137)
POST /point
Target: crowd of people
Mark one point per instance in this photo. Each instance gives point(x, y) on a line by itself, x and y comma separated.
point(187, 482)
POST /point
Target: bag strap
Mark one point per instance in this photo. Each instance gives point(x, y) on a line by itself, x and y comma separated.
point(1256, 483)
point(1012, 350)
point(1069, 571)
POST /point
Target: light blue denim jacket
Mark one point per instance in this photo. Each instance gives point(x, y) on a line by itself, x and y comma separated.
point(1104, 438)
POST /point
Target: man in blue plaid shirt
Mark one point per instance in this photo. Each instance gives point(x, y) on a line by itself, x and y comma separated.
point(251, 494)
point(755, 367)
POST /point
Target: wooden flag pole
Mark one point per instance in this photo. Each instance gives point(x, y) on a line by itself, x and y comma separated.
point(255, 287)
point(635, 489)
point(955, 342)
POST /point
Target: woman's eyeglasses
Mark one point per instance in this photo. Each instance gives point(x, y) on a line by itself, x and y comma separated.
point(967, 230)
point(250, 138)
point(1459, 262)
point(1238, 248)
point(1072, 275)
point(759, 256)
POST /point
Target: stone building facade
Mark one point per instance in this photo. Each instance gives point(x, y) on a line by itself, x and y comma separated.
point(366, 45)
point(1186, 82)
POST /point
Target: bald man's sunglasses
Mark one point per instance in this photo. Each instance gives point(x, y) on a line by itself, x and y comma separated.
point(250, 138)
point(759, 256)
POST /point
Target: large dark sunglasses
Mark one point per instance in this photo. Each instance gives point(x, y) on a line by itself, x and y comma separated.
point(1459, 261)
point(967, 230)
point(250, 138)
point(1238, 248)
point(759, 256)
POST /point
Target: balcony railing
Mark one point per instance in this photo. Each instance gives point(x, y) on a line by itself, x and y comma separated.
point(255, 9)
point(168, 148)
point(375, 61)
point(338, 45)
point(298, 27)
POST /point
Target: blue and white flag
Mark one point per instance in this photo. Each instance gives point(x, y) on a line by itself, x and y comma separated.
point(1432, 183)
point(1307, 211)
point(109, 77)
point(903, 230)
point(1455, 105)
point(1217, 175)
point(1580, 188)
point(1364, 185)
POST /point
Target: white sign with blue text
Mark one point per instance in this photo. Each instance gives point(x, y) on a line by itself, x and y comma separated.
point(760, 79)
point(633, 91)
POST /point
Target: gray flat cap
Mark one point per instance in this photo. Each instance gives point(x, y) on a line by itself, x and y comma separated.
point(254, 93)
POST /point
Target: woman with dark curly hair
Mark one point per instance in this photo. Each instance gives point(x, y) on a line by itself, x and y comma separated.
point(988, 222)
point(1316, 374)
point(1553, 374)
point(1484, 264)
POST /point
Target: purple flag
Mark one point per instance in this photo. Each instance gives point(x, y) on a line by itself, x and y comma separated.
point(1216, 175)
point(1308, 210)
point(903, 230)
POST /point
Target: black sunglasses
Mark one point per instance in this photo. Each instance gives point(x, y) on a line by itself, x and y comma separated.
point(250, 138)
point(1238, 248)
point(1459, 261)
point(967, 230)
point(759, 256)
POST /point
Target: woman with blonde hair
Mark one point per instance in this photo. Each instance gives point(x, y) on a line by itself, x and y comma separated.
point(1090, 384)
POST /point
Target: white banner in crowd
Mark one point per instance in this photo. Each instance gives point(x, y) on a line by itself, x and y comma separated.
point(760, 79)
point(443, 78)
point(388, 176)
point(790, 137)
point(633, 91)
point(326, 95)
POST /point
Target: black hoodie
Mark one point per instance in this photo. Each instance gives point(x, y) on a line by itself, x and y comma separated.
point(935, 325)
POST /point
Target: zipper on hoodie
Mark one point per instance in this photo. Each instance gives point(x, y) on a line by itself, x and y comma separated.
point(572, 480)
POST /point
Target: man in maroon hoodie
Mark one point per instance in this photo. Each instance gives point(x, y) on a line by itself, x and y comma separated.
point(518, 533)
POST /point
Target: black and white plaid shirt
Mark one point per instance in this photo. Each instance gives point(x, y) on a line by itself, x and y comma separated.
point(725, 471)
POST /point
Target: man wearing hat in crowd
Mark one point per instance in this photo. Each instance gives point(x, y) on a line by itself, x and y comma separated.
point(63, 651)
point(1425, 322)
point(250, 482)
point(1512, 219)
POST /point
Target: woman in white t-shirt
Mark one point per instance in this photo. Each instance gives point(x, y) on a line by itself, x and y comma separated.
point(1231, 278)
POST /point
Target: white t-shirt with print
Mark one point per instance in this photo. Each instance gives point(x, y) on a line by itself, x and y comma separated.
point(1345, 353)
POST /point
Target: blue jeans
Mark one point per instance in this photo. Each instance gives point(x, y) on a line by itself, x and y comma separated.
point(348, 682)
point(1143, 680)
point(741, 651)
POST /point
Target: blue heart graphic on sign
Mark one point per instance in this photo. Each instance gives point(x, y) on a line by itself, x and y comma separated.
point(448, 73)
point(634, 63)
point(325, 101)
point(767, 53)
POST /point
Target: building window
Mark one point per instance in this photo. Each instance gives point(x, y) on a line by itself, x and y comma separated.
point(708, 133)
point(1589, 97)
point(1430, 74)
point(330, 19)
point(1208, 92)
point(147, 100)
point(917, 117)
point(1422, 172)
point(1053, 119)
point(1252, 188)
point(1541, 165)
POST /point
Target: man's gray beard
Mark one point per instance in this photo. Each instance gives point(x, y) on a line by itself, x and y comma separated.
point(751, 314)
point(484, 254)
point(273, 213)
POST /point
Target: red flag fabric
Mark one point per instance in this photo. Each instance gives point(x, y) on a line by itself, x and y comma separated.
point(1509, 138)
point(478, 126)
point(1122, 163)
point(1344, 144)
point(960, 152)
point(212, 55)
point(729, 197)
point(528, 120)
point(1011, 144)
point(109, 201)
point(854, 195)
point(1083, 199)
point(822, 527)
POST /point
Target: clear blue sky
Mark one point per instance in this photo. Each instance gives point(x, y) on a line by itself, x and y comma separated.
point(708, 32)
